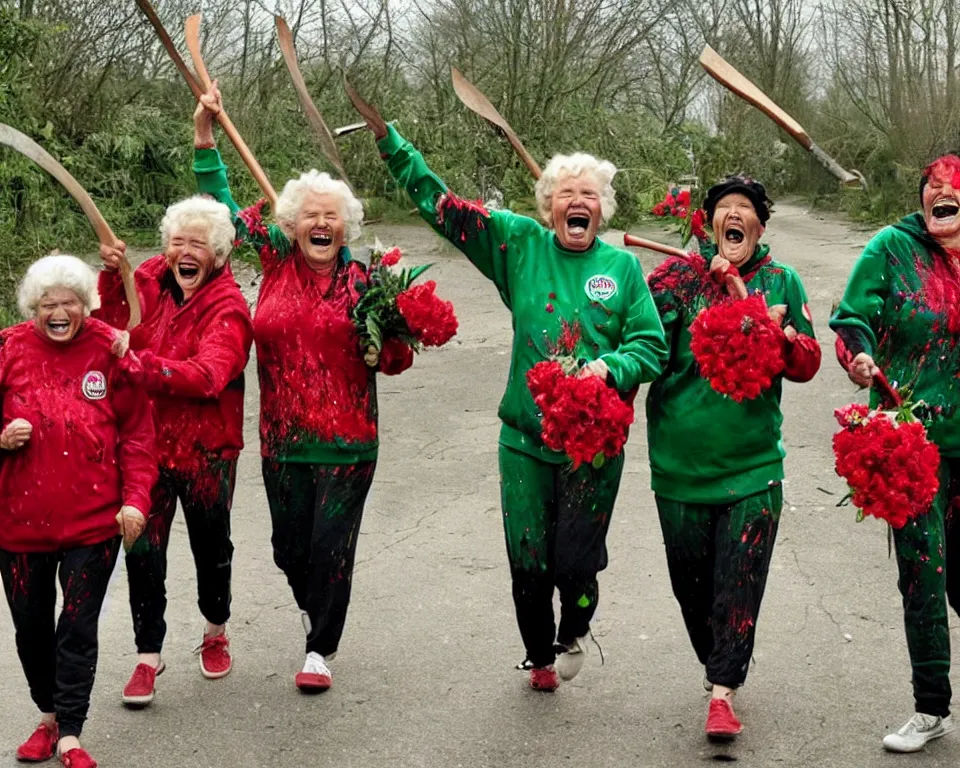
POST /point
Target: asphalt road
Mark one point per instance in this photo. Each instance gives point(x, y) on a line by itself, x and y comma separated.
point(425, 675)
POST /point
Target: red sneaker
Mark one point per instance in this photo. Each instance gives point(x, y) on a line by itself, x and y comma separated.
point(316, 676)
point(722, 724)
point(77, 758)
point(544, 679)
point(215, 661)
point(139, 690)
point(42, 744)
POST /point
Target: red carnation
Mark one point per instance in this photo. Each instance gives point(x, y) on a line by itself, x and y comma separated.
point(391, 257)
point(584, 418)
point(669, 201)
point(738, 347)
point(660, 209)
point(684, 198)
point(697, 222)
point(430, 318)
point(891, 467)
point(674, 210)
point(682, 213)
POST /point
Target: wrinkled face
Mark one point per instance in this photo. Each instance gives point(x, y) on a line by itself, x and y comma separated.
point(191, 258)
point(941, 203)
point(59, 314)
point(319, 229)
point(737, 228)
point(576, 211)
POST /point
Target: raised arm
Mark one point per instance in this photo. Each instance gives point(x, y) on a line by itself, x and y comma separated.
point(211, 173)
point(480, 234)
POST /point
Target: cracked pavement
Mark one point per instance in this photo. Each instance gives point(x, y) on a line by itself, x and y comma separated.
point(425, 674)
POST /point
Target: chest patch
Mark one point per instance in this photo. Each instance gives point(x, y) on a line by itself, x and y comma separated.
point(94, 385)
point(600, 288)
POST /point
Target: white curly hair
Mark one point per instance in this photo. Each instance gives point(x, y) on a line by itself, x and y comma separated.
point(295, 191)
point(57, 271)
point(577, 164)
point(203, 212)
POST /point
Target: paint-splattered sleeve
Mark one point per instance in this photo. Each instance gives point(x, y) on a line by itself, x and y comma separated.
point(665, 283)
point(480, 234)
point(268, 240)
point(802, 354)
point(222, 353)
point(643, 350)
point(136, 447)
point(857, 319)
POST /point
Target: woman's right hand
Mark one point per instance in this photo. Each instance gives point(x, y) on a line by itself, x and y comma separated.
point(15, 434)
point(208, 107)
point(112, 255)
point(862, 370)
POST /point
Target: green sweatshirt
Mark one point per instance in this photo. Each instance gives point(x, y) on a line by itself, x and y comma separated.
point(706, 448)
point(902, 307)
point(543, 285)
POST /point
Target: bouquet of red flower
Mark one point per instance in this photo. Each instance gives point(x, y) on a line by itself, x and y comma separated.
point(890, 466)
point(390, 306)
point(738, 347)
point(678, 204)
point(584, 418)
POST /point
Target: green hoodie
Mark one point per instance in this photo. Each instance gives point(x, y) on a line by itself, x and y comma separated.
point(543, 285)
point(706, 448)
point(902, 307)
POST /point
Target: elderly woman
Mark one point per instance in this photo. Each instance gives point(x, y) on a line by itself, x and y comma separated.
point(76, 459)
point(318, 397)
point(716, 464)
point(194, 341)
point(565, 288)
point(900, 314)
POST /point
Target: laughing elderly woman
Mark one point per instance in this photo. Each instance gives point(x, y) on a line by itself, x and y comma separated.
point(318, 397)
point(194, 342)
point(77, 445)
point(564, 288)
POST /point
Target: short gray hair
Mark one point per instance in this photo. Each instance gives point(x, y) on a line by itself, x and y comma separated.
point(577, 164)
point(58, 271)
point(295, 190)
point(205, 212)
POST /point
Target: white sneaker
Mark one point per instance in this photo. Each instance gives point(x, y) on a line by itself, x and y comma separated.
point(316, 675)
point(570, 662)
point(917, 731)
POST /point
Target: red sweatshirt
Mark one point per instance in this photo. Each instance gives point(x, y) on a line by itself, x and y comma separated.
point(318, 398)
point(92, 447)
point(193, 355)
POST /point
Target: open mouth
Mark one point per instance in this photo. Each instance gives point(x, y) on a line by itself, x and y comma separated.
point(188, 271)
point(733, 234)
point(58, 327)
point(945, 209)
point(577, 224)
point(321, 239)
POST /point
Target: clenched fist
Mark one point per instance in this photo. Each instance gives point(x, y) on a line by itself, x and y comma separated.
point(862, 370)
point(15, 434)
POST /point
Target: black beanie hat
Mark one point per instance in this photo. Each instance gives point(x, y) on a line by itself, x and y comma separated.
point(743, 185)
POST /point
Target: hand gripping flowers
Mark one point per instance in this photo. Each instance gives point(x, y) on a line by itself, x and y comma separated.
point(389, 305)
point(890, 465)
point(582, 416)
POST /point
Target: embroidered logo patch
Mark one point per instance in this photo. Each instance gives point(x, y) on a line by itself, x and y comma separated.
point(94, 385)
point(601, 287)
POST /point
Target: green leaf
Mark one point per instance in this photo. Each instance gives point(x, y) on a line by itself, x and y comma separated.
point(598, 461)
point(417, 271)
point(373, 331)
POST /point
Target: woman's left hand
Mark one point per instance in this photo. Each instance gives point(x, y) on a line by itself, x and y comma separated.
point(596, 368)
point(132, 522)
point(372, 357)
